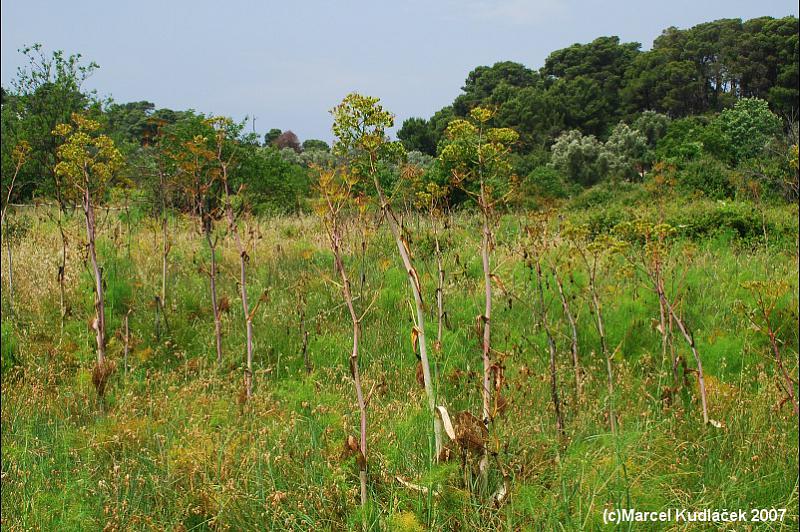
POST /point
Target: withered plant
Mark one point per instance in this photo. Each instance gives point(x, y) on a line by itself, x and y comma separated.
point(360, 125)
point(336, 191)
point(87, 162)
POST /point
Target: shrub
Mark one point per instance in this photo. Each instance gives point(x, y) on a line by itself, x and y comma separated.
point(652, 125)
point(274, 185)
point(699, 220)
point(579, 158)
point(627, 152)
point(749, 125)
point(681, 141)
point(545, 182)
point(707, 175)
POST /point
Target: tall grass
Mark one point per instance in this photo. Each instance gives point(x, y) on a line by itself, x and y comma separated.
point(175, 450)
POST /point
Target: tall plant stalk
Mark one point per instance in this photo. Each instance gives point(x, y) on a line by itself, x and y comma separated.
point(336, 194)
point(360, 124)
point(224, 165)
point(88, 161)
point(551, 346)
point(414, 282)
point(576, 363)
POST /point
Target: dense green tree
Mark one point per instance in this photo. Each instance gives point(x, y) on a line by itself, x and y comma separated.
point(652, 125)
point(45, 93)
point(748, 127)
point(493, 85)
point(734, 59)
point(535, 114)
point(130, 122)
point(271, 135)
point(315, 144)
point(682, 140)
point(584, 105)
point(580, 158)
point(654, 81)
point(601, 67)
point(626, 152)
point(591, 86)
point(416, 134)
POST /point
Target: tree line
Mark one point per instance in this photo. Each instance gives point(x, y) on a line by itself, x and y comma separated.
point(715, 102)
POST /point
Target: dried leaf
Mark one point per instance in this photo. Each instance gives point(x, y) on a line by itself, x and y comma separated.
point(410, 485)
point(500, 495)
point(446, 423)
point(361, 460)
point(414, 338)
point(496, 279)
point(415, 276)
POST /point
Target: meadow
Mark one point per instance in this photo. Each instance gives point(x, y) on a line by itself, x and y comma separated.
point(174, 445)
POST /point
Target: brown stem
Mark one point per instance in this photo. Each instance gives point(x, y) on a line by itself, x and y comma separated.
point(243, 258)
point(439, 293)
point(304, 335)
point(689, 337)
point(552, 348)
point(335, 239)
point(785, 374)
point(576, 365)
point(10, 274)
point(164, 258)
point(414, 282)
point(99, 302)
point(127, 343)
point(17, 167)
point(62, 268)
point(603, 349)
point(487, 315)
point(212, 274)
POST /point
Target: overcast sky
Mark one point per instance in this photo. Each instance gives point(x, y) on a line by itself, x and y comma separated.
point(287, 63)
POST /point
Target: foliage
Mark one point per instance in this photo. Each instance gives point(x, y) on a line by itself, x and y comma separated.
point(580, 158)
point(315, 144)
point(748, 127)
point(271, 135)
point(45, 93)
point(285, 140)
point(626, 152)
point(652, 125)
point(416, 135)
point(360, 124)
point(545, 182)
point(273, 184)
point(591, 87)
point(476, 156)
point(88, 161)
point(707, 175)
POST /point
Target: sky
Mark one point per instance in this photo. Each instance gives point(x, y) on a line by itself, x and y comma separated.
point(287, 63)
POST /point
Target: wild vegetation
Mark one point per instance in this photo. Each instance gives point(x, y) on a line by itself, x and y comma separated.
point(488, 324)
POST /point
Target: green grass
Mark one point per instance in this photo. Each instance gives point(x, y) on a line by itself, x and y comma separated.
point(176, 450)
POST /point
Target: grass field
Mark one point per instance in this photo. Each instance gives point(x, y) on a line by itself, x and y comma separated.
point(174, 447)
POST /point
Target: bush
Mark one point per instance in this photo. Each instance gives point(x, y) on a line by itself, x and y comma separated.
point(749, 125)
point(701, 221)
point(627, 152)
point(274, 185)
point(708, 176)
point(682, 140)
point(545, 182)
point(579, 158)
